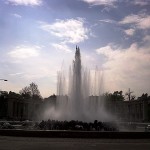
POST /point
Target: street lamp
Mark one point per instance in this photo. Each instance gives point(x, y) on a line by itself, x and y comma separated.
point(4, 79)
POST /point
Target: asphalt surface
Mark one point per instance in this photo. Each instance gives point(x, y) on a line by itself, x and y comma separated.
point(29, 143)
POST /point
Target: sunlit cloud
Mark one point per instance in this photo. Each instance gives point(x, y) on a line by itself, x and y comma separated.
point(129, 32)
point(24, 52)
point(141, 21)
point(101, 2)
point(61, 47)
point(126, 68)
point(108, 51)
point(140, 2)
point(107, 21)
point(69, 31)
point(25, 2)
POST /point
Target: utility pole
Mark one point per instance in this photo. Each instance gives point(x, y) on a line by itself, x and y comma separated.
point(129, 94)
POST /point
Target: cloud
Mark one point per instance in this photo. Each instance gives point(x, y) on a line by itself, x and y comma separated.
point(129, 32)
point(107, 21)
point(24, 52)
point(140, 2)
point(16, 74)
point(126, 68)
point(107, 51)
point(34, 64)
point(101, 2)
point(25, 2)
point(62, 47)
point(17, 16)
point(69, 31)
point(141, 21)
point(31, 63)
point(131, 19)
point(146, 38)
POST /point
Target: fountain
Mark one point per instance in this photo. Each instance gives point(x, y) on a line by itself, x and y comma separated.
point(75, 100)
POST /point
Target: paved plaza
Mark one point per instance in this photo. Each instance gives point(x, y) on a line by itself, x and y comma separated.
point(29, 143)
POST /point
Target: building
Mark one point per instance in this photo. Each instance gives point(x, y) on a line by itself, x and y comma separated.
point(15, 107)
point(133, 111)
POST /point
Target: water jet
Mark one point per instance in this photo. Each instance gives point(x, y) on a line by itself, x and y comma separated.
point(80, 98)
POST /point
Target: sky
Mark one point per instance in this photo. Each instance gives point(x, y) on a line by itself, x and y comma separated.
point(38, 36)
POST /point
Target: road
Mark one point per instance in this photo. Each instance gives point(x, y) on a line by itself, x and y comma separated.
point(29, 143)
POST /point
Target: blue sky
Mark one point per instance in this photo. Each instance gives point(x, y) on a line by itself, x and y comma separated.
point(36, 36)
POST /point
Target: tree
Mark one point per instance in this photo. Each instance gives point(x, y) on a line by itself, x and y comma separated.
point(34, 89)
point(31, 91)
point(117, 95)
point(143, 97)
point(25, 92)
